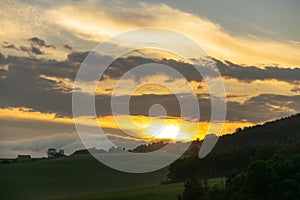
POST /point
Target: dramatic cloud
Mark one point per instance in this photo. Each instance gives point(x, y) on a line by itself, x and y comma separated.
point(250, 50)
point(34, 49)
point(264, 107)
point(98, 22)
point(68, 47)
point(40, 42)
point(68, 68)
point(31, 50)
point(10, 46)
point(42, 48)
point(2, 59)
point(3, 73)
point(46, 86)
point(251, 73)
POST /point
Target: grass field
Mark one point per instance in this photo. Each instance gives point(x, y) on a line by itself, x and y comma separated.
point(163, 192)
point(160, 192)
point(82, 177)
point(67, 177)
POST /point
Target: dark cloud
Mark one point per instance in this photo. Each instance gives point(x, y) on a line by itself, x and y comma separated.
point(26, 49)
point(36, 51)
point(24, 86)
point(68, 47)
point(263, 107)
point(256, 109)
point(15, 129)
point(296, 89)
point(10, 46)
point(251, 73)
point(40, 42)
point(227, 69)
point(78, 56)
point(2, 59)
point(3, 73)
point(60, 69)
point(122, 65)
point(31, 50)
point(69, 67)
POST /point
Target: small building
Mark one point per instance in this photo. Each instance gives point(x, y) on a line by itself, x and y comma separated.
point(61, 152)
point(24, 158)
point(51, 152)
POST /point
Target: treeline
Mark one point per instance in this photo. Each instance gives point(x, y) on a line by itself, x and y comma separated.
point(233, 153)
point(144, 148)
point(277, 178)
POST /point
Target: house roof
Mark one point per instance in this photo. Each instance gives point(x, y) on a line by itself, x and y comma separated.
point(24, 156)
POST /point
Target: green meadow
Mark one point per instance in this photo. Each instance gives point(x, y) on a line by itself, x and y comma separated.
point(81, 177)
point(158, 192)
point(68, 177)
point(163, 192)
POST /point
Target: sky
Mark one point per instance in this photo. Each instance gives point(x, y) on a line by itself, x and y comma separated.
point(254, 44)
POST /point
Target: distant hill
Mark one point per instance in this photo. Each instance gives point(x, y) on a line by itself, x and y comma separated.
point(87, 151)
point(94, 150)
point(149, 147)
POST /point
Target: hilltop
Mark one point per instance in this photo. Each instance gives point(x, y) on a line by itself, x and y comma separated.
point(284, 130)
point(234, 152)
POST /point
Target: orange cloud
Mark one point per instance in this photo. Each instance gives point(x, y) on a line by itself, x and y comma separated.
point(143, 127)
point(28, 114)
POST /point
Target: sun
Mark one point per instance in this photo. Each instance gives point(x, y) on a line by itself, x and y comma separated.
point(171, 131)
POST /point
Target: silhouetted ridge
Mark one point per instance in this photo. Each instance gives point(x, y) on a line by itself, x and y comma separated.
point(235, 152)
point(284, 130)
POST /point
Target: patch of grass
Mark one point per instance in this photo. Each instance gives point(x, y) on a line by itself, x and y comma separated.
point(160, 192)
point(163, 192)
point(217, 182)
point(67, 177)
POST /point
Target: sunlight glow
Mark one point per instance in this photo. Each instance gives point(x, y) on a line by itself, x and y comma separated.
point(143, 126)
point(171, 132)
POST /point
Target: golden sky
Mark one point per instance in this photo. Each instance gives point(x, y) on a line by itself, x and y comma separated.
point(42, 46)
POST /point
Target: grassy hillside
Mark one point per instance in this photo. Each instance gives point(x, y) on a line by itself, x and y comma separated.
point(164, 192)
point(67, 177)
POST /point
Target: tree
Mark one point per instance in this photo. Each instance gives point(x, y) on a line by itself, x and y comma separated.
point(276, 179)
point(195, 189)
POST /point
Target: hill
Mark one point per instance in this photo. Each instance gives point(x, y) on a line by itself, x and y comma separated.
point(234, 152)
point(81, 174)
point(284, 130)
